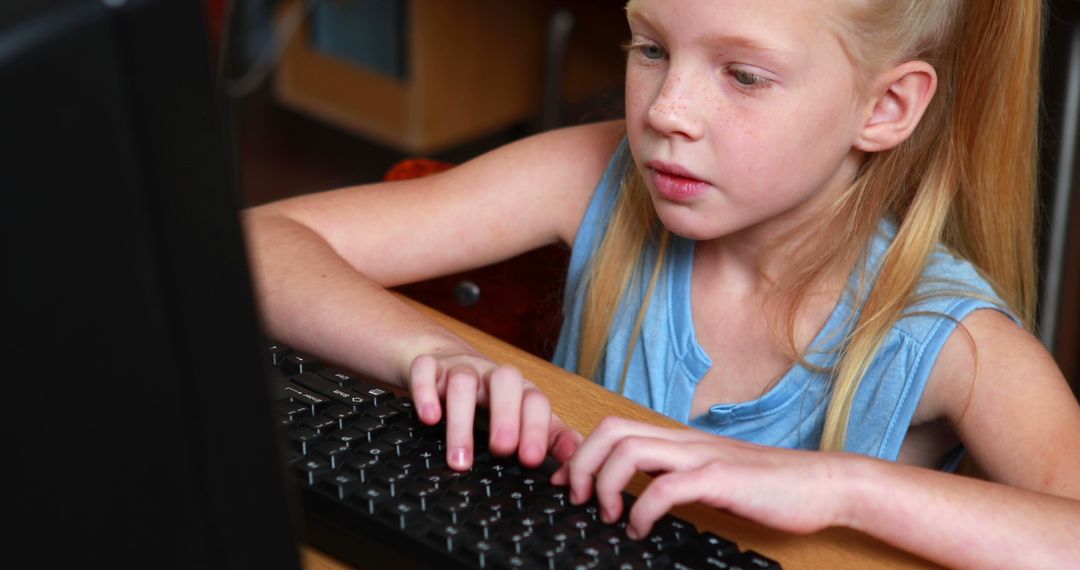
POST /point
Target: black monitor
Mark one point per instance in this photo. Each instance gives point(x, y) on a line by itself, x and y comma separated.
point(129, 330)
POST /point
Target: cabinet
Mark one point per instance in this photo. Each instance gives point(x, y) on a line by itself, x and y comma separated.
point(471, 68)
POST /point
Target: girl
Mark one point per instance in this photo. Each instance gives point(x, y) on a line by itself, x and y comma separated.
point(815, 235)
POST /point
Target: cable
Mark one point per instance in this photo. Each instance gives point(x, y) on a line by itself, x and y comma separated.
point(268, 58)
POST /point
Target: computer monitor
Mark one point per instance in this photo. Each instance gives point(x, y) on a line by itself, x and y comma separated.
point(129, 330)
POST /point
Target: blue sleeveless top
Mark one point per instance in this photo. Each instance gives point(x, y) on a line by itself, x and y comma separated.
point(667, 362)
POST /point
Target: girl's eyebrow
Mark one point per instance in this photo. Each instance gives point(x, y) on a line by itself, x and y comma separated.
point(746, 44)
point(737, 42)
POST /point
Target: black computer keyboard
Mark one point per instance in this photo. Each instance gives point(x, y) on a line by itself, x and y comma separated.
point(377, 492)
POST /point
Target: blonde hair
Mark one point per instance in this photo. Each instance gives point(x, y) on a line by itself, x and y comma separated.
point(965, 179)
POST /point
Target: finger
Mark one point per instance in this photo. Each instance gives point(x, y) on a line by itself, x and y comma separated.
point(633, 454)
point(425, 394)
point(563, 440)
point(592, 453)
point(535, 424)
point(505, 387)
point(461, 387)
point(662, 494)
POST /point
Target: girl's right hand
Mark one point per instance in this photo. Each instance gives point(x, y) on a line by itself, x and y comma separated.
point(520, 414)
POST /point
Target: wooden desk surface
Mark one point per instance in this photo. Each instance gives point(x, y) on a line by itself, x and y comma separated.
point(582, 404)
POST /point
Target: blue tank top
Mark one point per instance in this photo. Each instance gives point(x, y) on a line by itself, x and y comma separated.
point(667, 362)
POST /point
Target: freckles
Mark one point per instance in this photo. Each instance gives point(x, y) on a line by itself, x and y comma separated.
point(669, 107)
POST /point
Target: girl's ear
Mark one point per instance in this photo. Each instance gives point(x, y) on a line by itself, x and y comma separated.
point(903, 93)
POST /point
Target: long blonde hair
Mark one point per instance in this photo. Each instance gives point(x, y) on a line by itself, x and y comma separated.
point(964, 179)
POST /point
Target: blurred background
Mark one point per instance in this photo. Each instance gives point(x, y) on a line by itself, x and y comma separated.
point(330, 93)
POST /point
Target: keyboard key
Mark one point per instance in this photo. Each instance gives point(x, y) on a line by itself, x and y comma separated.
point(548, 554)
point(338, 376)
point(406, 464)
point(349, 436)
point(483, 552)
point(376, 450)
point(404, 406)
point(564, 536)
point(466, 490)
point(378, 396)
point(395, 438)
point(483, 523)
point(332, 452)
point(341, 413)
point(297, 362)
point(311, 470)
point(361, 464)
point(320, 424)
point(448, 536)
point(390, 479)
point(302, 439)
point(384, 414)
point(287, 407)
point(369, 498)
point(277, 352)
point(341, 483)
point(403, 513)
point(370, 427)
point(547, 508)
point(451, 509)
point(580, 522)
point(558, 493)
point(630, 563)
point(673, 529)
point(514, 562)
point(714, 545)
point(314, 402)
point(755, 561)
point(421, 492)
point(513, 537)
point(498, 505)
point(429, 456)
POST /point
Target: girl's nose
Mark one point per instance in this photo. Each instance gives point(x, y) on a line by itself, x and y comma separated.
point(674, 111)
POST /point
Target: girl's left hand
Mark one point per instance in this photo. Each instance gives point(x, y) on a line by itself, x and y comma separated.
point(791, 490)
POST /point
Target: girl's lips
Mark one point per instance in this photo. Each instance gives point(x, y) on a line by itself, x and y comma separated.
point(674, 182)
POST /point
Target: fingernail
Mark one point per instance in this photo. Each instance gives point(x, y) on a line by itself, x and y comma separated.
point(534, 453)
point(632, 533)
point(460, 457)
point(429, 412)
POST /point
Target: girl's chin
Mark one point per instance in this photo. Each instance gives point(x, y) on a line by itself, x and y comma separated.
point(686, 223)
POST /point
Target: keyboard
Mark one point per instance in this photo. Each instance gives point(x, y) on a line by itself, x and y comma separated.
point(376, 491)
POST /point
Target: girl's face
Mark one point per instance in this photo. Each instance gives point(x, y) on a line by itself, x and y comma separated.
point(741, 114)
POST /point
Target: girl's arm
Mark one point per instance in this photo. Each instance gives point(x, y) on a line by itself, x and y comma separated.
point(962, 522)
point(321, 262)
point(1018, 418)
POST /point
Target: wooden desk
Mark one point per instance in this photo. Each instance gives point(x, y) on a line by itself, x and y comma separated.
point(583, 404)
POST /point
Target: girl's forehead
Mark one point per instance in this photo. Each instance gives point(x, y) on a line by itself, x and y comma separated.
point(789, 29)
point(788, 21)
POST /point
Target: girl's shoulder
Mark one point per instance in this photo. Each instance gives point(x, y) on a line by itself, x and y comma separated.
point(949, 289)
point(565, 166)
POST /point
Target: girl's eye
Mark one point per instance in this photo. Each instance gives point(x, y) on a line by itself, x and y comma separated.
point(647, 50)
point(745, 78)
point(652, 51)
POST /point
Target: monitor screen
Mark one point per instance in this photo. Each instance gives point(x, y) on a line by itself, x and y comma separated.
point(139, 421)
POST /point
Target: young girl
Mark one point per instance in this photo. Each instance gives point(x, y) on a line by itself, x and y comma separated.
point(810, 238)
